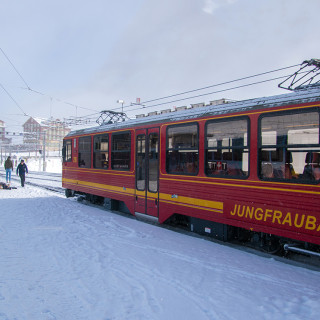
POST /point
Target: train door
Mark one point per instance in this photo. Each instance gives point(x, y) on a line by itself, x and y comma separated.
point(147, 171)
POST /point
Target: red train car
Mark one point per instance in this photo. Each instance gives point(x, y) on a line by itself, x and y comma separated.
point(248, 170)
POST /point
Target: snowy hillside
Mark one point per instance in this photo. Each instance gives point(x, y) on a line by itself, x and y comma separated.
point(60, 259)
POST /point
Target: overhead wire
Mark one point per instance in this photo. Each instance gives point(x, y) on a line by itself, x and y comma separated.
point(16, 103)
point(202, 88)
point(60, 100)
point(205, 94)
point(15, 68)
point(220, 84)
point(32, 90)
point(143, 104)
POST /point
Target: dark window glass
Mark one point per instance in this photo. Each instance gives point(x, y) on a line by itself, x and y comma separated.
point(121, 151)
point(84, 156)
point(153, 162)
point(141, 162)
point(227, 152)
point(182, 149)
point(67, 151)
point(101, 152)
point(289, 147)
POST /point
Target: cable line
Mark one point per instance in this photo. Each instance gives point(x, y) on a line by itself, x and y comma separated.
point(28, 88)
point(15, 68)
point(17, 104)
point(205, 94)
point(203, 88)
point(220, 84)
point(59, 100)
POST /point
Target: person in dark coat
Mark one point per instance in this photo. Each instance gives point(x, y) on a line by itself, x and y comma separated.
point(8, 165)
point(22, 169)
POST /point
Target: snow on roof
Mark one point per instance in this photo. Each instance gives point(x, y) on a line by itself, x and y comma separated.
point(41, 121)
point(46, 122)
point(303, 95)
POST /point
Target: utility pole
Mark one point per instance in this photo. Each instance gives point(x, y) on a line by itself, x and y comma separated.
point(44, 151)
point(122, 102)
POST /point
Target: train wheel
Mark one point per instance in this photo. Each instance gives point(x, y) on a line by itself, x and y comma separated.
point(270, 244)
point(69, 193)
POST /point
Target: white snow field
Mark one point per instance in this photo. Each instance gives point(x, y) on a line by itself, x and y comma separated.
point(60, 259)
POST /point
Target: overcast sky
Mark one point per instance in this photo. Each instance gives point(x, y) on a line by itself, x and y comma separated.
point(91, 53)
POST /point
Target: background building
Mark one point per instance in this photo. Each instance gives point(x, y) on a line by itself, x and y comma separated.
point(4, 140)
point(43, 132)
point(5, 143)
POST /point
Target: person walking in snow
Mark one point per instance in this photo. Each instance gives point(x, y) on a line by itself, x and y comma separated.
point(8, 165)
point(22, 169)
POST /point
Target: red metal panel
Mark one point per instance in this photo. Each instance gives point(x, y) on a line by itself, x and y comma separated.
point(280, 208)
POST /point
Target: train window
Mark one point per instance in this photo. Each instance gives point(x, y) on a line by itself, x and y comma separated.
point(226, 148)
point(84, 155)
point(121, 151)
point(141, 162)
point(67, 151)
point(101, 152)
point(289, 147)
point(183, 149)
point(153, 162)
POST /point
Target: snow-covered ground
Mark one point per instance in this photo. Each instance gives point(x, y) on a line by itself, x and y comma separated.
point(60, 259)
point(52, 164)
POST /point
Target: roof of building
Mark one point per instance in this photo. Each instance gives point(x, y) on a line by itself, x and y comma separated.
point(46, 122)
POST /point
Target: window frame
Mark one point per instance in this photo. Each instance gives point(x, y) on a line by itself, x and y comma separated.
point(66, 149)
point(233, 119)
point(99, 151)
point(113, 152)
point(292, 147)
point(185, 124)
point(157, 152)
point(85, 152)
point(141, 169)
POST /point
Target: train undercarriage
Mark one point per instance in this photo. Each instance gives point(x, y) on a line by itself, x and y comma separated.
point(210, 230)
point(261, 241)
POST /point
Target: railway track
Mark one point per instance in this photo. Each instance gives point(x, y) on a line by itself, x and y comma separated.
point(54, 189)
point(44, 180)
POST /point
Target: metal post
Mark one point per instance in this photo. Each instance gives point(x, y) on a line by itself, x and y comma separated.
point(122, 102)
point(44, 151)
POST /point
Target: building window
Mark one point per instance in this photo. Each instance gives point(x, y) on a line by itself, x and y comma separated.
point(84, 156)
point(182, 149)
point(121, 151)
point(289, 146)
point(101, 152)
point(226, 148)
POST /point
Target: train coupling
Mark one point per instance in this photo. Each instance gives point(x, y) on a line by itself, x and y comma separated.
point(293, 247)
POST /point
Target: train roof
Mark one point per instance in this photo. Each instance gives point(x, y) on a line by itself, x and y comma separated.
point(306, 94)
